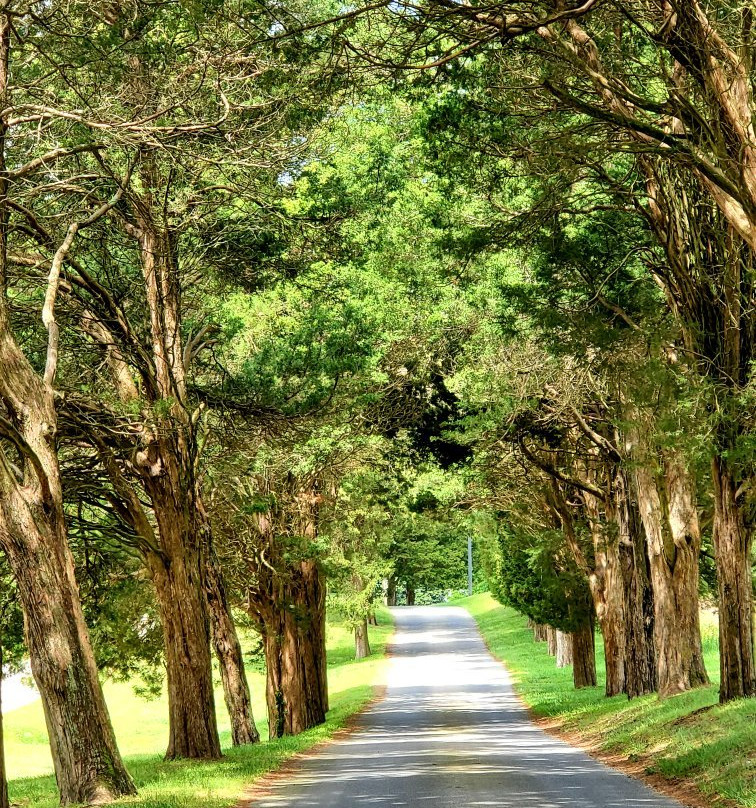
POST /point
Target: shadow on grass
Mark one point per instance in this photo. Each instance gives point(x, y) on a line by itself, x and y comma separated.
point(206, 784)
point(690, 735)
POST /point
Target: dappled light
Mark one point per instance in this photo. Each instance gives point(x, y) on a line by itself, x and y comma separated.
point(451, 731)
point(313, 309)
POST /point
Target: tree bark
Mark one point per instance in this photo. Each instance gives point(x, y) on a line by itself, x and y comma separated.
point(673, 539)
point(551, 640)
point(88, 767)
point(295, 653)
point(640, 659)
point(228, 652)
point(410, 595)
point(178, 573)
point(607, 590)
point(584, 656)
point(361, 640)
point(732, 548)
point(563, 649)
point(540, 633)
point(391, 591)
point(33, 535)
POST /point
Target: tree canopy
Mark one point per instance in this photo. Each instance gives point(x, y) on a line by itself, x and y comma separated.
point(296, 298)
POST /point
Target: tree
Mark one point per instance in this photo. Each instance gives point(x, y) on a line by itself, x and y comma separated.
point(595, 64)
point(273, 525)
point(357, 524)
point(32, 520)
point(536, 575)
point(169, 120)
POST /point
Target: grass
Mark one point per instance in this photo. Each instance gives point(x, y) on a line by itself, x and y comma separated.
point(690, 736)
point(141, 727)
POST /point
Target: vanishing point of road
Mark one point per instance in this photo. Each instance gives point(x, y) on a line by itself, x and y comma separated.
point(450, 733)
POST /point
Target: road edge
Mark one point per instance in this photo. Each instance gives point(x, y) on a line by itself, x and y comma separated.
point(262, 786)
point(684, 791)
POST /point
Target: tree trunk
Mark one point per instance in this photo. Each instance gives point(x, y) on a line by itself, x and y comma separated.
point(563, 649)
point(540, 633)
point(410, 595)
point(186, 590)
point(228, 652)
point(584, 656)
point(295, 653)
point(551, 640)
point(673, 540)
point(361, 640)
point(732, 548)
point(372, 619)
point(87, 764)
point(607, 591)
point(88, 767)
point(640, 660)
point(391, 592)
point(609, 602)
point(178, 573)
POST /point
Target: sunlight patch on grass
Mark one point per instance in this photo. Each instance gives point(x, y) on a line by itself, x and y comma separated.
point(141, 727)
point(687, 736)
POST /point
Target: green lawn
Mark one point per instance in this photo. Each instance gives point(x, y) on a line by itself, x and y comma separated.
point(715, 748)
point(142, 730)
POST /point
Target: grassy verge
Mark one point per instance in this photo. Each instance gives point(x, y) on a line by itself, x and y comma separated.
point(688, 738)
point(142, 730)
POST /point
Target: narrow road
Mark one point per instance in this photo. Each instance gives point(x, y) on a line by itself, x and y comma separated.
point(450, 732)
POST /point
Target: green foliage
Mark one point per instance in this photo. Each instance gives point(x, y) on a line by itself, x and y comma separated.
point(535, 576)
point(12, 649)
point(384, 293)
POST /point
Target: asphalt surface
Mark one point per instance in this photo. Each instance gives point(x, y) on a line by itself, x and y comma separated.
point(450, 732)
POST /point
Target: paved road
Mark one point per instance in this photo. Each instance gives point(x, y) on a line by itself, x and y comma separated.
point(450, 732)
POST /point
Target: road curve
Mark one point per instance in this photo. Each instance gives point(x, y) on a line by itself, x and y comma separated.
point(450, 732)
